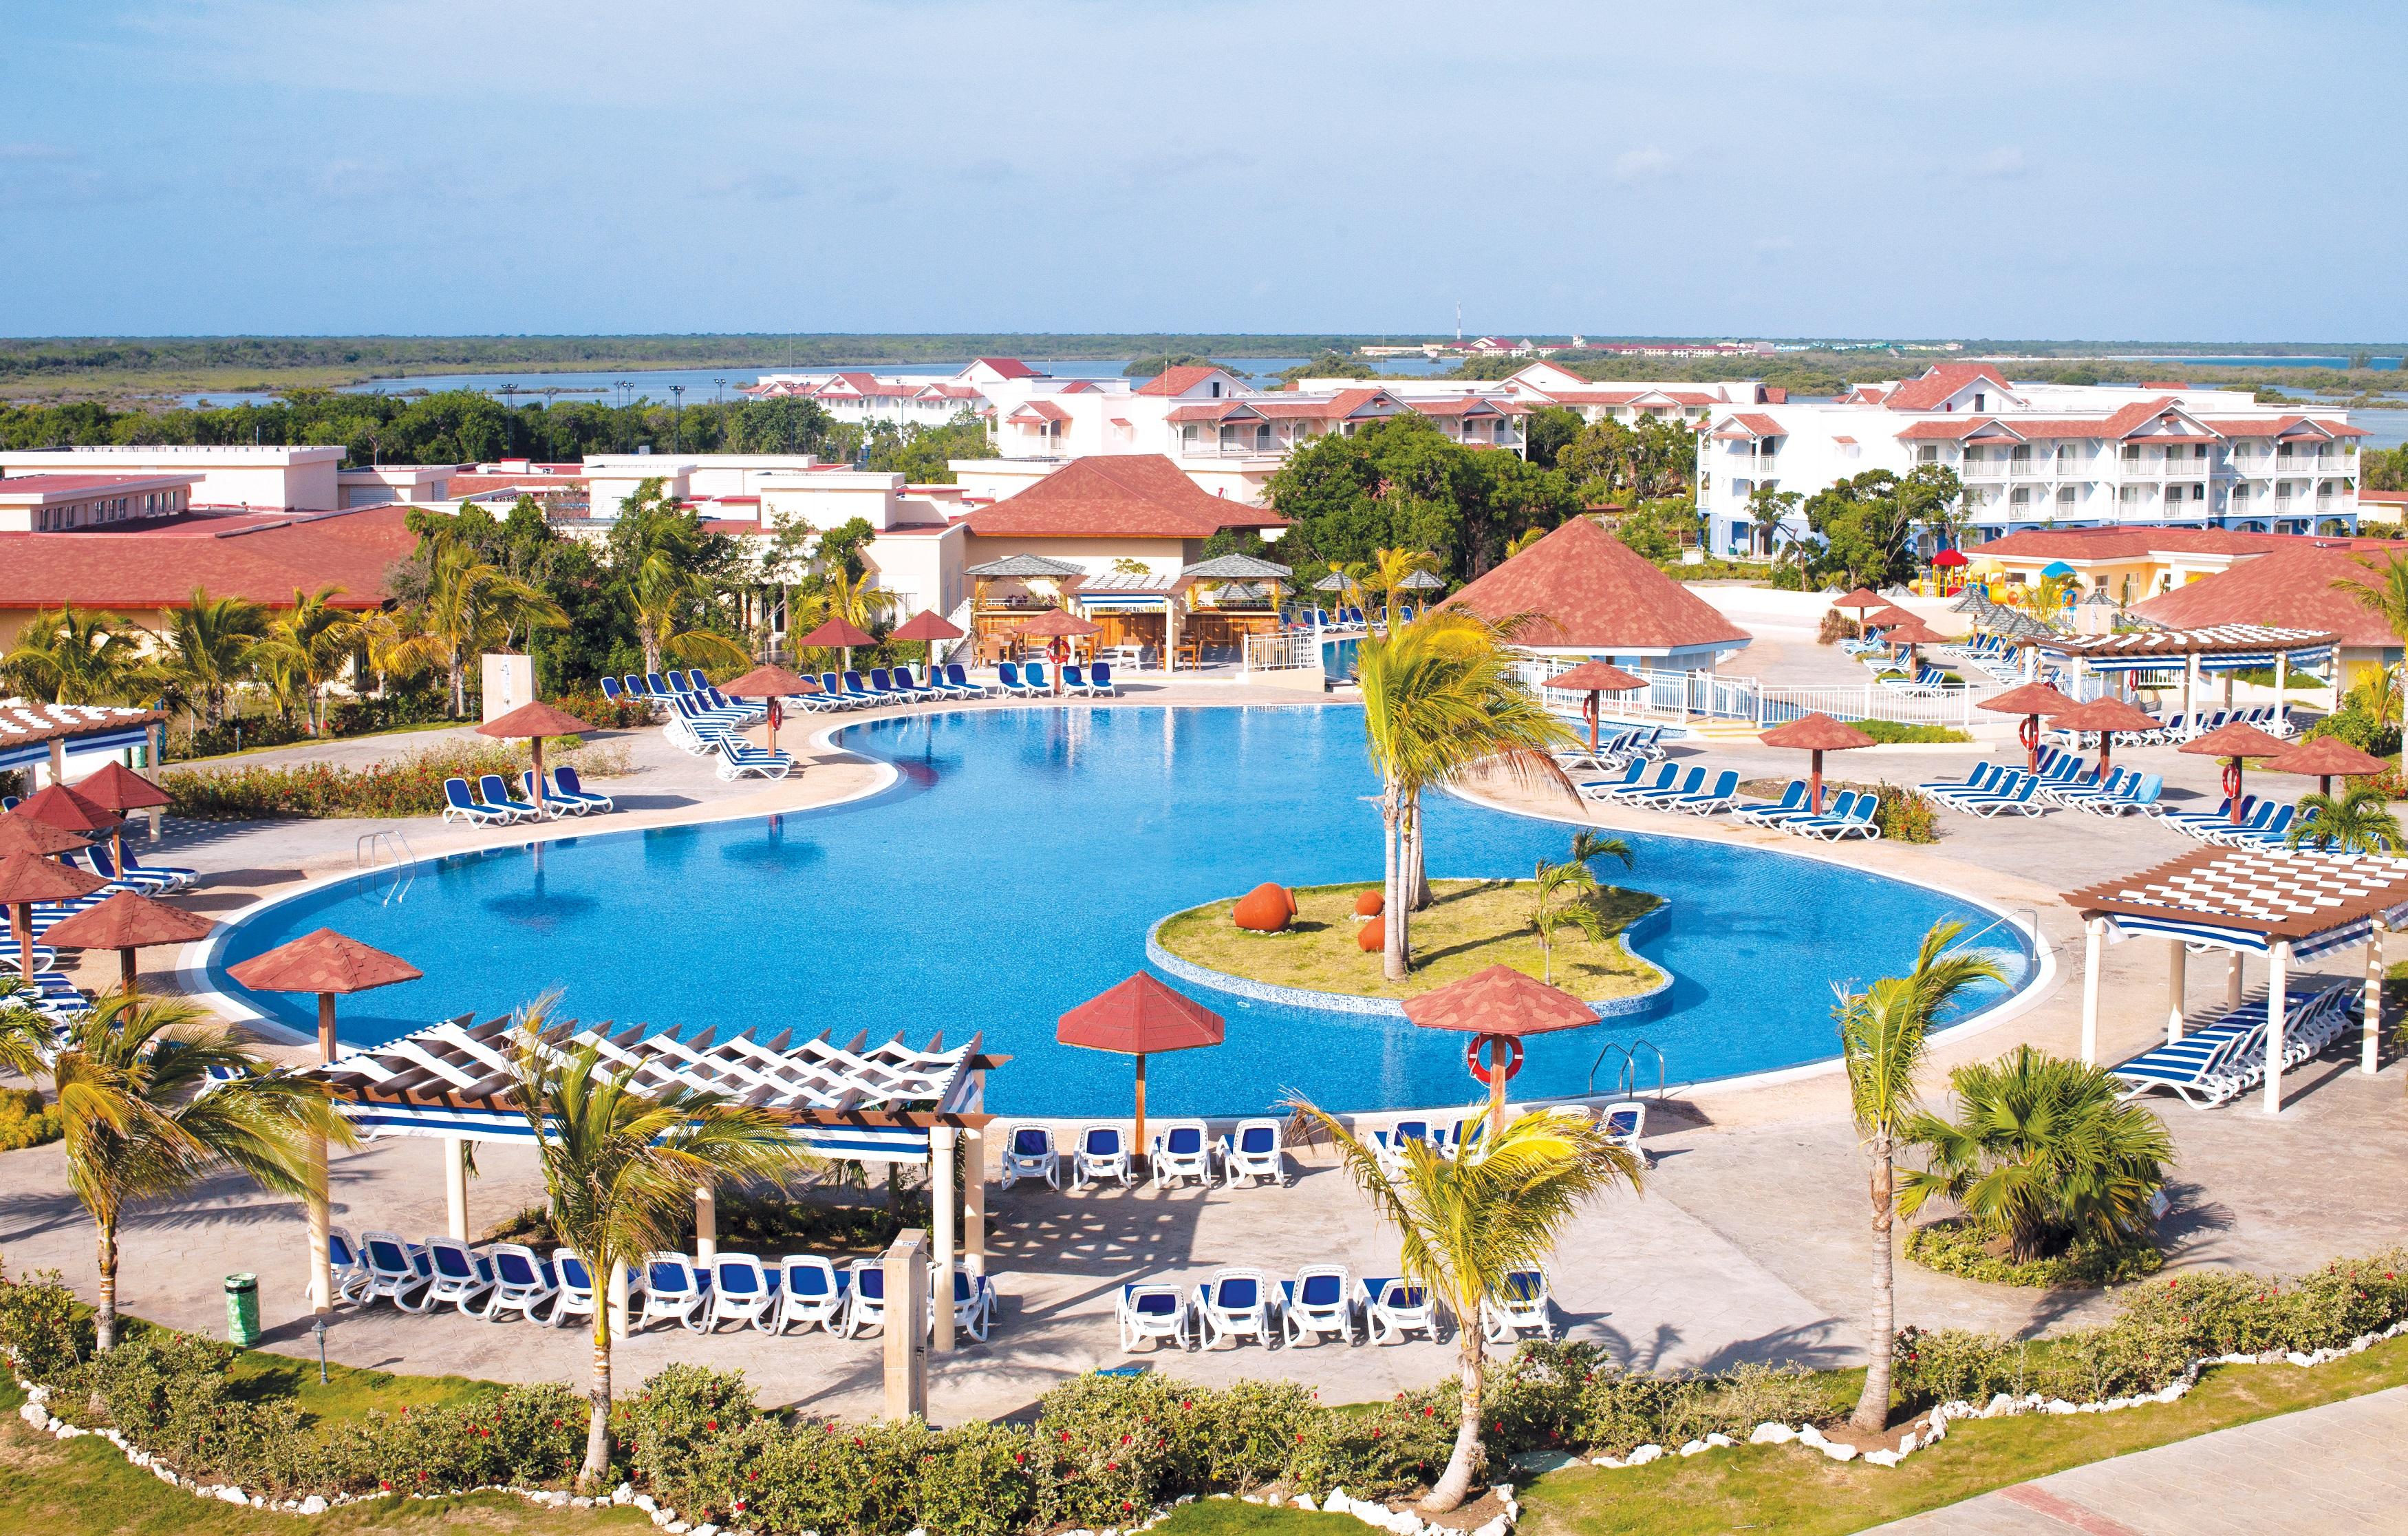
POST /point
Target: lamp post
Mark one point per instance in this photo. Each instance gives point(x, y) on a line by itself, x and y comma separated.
point(677, 419)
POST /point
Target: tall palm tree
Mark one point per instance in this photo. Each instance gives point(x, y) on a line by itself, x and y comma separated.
point(2359, 820)
point(144, 1119)
point(1563, 896)
point(1883, 1032)
point(1464, 1224)
point(1441, 698)
point(471, 605)
point(77, 657)
point(209, 648)
point(667, 602)
point(393, 639)
point(852, 598)
point(2385, 596)
point(313, 645)
point(1389, 568)
point(620, 1167)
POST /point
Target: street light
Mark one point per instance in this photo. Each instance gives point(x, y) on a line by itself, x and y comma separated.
point(677, 419)
point(718, 391)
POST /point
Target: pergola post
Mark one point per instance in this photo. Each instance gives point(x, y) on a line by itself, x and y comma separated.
point(58, 760)
point(941, 1203)
point(2282, 692)
point(321, 1224)
point(2094, 943)
point(2177, 977)
point(2190, 691)
point(2278, 959)
point(2232, 980)
point(2371, 1049)
point(456, 1186)
point(706, 1226)
point(974, 1185)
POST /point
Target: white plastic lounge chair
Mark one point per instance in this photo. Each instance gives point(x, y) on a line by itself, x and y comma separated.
point(1524, 1305)
point(1102, 1154)
point(811, 1291)
point(397, 1268)
point(497, 796)
point(1099, 681)
point(577, 1296)
point(1028, 1153)
point(1394, 1308)
point(675, 1289)
point(1183, 1151)
point(457, 804)
point(1660, 798)
point(1253, 1151)
point(1667, 776)
point(1625, 1123)
point(1761, 813)
point(1234, 1304)
point(867, 1308)
point(1321, 1300)
point(521, 1282)
point(973, 1303)
point(1388, 1144)
point(1152, 1312)
point(1606, 789)
point(738, 760)
point(543, 791)
point(742, 1291)
point(1719, 795)
point(463, 1274)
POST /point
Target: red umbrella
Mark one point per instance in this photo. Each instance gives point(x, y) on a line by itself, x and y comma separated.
point(1863, 600)
point(2327, 757)
point(1593, 677)
point(121, 789)
point(1496, 1007)
point(126, 922)
point(2032, 700)
point(1059, 626)
point(534, 720)
point(773, 685)
point(1950, 557)
point(838, 635)
point(925, 627)
point(28, 878)
point(326, 963)
point(1817, 733)
point(39, 839)
point(1140, 1017)
point(56, 804)
point(2106, 716)
point(2236, 742)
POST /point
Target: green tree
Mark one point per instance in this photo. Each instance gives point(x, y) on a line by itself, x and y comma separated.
point(840, 548)
point(1882, 1033)
point(923, 454)
point(1768, 507)
point(469, 607)
point(1547, 431)
point(143, 1119)
point(671, 607)
point(2385, 596)
point(77, 657)
point(209, 648)
point(1161, 363)
point(620, 1168)
point(1329, 364)
point(1563, 896)
point(2359, 820)
point(313, 641)
point(2043, 1152)
point(1464, 1224)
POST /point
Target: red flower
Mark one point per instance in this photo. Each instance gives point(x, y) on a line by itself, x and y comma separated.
point(1124, 1439)
point(711, 1424)
point(384, 1487)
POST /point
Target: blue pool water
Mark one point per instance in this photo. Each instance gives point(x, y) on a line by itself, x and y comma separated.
point(1012, 872)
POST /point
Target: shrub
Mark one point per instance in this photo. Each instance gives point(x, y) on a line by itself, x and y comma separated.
point(25, 1121)
point(677, 1413)
point(1838, 627)
point(1955, 1246)
point(409, 786)
point(1898, 733)
point(1381, 1451)
point(1906, 816)
point(2358, 728)
point(40, 1323)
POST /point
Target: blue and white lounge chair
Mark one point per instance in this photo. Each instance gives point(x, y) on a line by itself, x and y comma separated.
point(2200, 823)
point(1102, 1153)
point(1719, 795)
point(2274, 834)
point(1525, 1305)
point(1099, 681)
point(457, 803)
point(94, 859)
point(566, 784)
point(350, 1270)
point(1633, 777)
point(2020, 799)
point(1395, 1307)
point(1007, 677)
point(881, 683)
point(497, 796)
point(1183, 1151)
point(1666, 777)
point(855, 689)
point(1625, 1124)
point(177, 877)
point(1761, 813)
point(1038, 682)
point(811, 1291)
point(739, 759)
point(973, 1303)
point(577, 1296)
point(542, 790)
point(1028, 1153)
point(1319, 1300)
point(742, 1291)
point(658, 687)
point(521, 1282)
point(1253, 1151)
point(1665, 796)
point(1984, 778)
point(1388, 1144)
point(1159, 1312)
point(1234, 1304)
point(674, 1289)
point(868, 1307)
point(1838, 811)
point(397, 1270)
point(1074, 679)
point(463, 1275)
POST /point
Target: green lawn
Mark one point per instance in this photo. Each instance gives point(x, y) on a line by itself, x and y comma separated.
point(1468, 926)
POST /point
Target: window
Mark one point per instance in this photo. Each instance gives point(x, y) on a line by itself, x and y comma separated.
point(1216, 389)
point(2129, 493)
point(2131, 454)
point(2019, 496)
point(2240, 495)
point(1927, 453)
point(2199, 492)
point(2065, 495)
point(1981, 401)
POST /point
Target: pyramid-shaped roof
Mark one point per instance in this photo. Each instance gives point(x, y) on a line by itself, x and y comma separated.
point(1582, 589)
point(2289, 589)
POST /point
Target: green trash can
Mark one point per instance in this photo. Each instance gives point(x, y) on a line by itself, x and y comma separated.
point(242, 1310)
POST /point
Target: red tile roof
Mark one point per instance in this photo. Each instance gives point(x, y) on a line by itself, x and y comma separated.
point(1139, 496)
point(1943, 381)
point(2125, 543)
point(1178, 380)
point(1044, 410)
point(2288, 589)
point(1010, 367)
point(259, 561)
point(1950, 427)
point(1584, 589)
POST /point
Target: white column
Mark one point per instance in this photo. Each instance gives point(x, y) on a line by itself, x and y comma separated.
point(2190, 688)
point(2282, 691)
point(2371, 1049)
point(2232, 980)
point(320, 1220)
point(456, 1184)
point(974, 1201)
point(940, 1202)
point(2177, 977)
point(2278, 959)
point(2094, 945)
point(706, 1226)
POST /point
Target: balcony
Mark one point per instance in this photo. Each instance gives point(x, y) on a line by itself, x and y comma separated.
point(1233, 447)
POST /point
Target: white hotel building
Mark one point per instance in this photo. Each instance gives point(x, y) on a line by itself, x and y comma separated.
point(2045, 455)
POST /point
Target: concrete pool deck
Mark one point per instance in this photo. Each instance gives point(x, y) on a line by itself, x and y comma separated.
point(1749, 1241)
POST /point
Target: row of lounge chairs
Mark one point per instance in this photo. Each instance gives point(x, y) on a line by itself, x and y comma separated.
point(1618, 749)
point(2062, 779)
point(1323, 1301)
point(1183, 1149)
point(713, 726)
point(560, 790)
point(1671, 790)
point(2221, 1061)
point(150, 880)
point(501, 1279)
point(1851, 814)
point(1993, 658)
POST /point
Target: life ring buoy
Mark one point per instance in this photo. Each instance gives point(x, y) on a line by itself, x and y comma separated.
point(2231, 780)
point(1481, 1069)
point(2029, 732)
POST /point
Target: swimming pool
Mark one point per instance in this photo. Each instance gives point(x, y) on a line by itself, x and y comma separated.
point(1012, 872)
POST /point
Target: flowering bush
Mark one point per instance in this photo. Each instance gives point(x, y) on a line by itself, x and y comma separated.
point(409, 786)
point(1955, 1246)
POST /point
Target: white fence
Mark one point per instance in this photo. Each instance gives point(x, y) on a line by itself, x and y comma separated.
point(1710, 697)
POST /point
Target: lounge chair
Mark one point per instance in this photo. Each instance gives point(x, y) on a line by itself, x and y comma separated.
point(742, 1291)
point(463, 1274)
point(1625, 1124)
point(1394, 1308)
point(832, 689)
point(2138, 794)
point(740, 759)
point(959, 681)
point(1074, 679)
point(973, 1303)
point(578, 1292)
point(397, 1268)
point(349, 1268)
point(542, 790)
point(675, 1289)
point(2266, 820)
point(811, 1291)
point(457, 803)
point(1606, 789)
point(1028, 1153)
point(1007, 677)
point(1183, 1151)
point(1982, 781)
point(1525, 1305)
point(881, 683)
point(1846, 821)
point(1253, 1151)
point(855, 689)
point(94, 859)
point(179, 878)
point(45, 957)
point(1034, 673)
point(1661, 799)
point(1099, 681)
point(566, 784)
point(658, 688)
point(1233, 1304)
point(1102, 1154)
point(1721, 795)
point(1667, 778)
point(868, 1307)
point(1157, 1312)
point(1388, 1144)
point(2020, 799)
point(521, 1282)
point(1319, 1300)
point(1763, 812)
point(2199, 823)
point(497, 794)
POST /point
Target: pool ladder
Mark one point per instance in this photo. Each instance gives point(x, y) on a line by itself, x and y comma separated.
point(1626, 1080)
point(370, 851)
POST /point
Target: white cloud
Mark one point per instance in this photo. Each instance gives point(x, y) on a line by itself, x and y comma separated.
point(1632, 166)
point(2004, 163)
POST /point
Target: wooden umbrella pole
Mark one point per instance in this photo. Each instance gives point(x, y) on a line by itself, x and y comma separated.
point(125, 970)
point(20, 924)
point(542, 801)
point(1138, 1150)
point(325, 1027)
point(1499, 1048)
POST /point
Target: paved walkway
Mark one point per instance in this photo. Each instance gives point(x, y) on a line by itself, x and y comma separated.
point(2322, 1471)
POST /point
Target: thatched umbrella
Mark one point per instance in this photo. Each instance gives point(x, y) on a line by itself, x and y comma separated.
point(840, 635)
point(1911, 632)
point(1817, 733)
point(2106, 716)
point(1140, 1017)
point(25, 878)
point(926, 627)
point(1062, 628)
point(1593, 677)
point(2032, 700)
point(57, 805)
point(39, 839)
point(535, 720)
point(1862, 601)
point(772, 684)
point(1496, 1007)
point(2327, 757)
point(126, 922)
point(119, 788)
point(2234, 742)
point(328, 963)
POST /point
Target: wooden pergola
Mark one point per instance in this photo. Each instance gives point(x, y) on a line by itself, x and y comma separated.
point(2286, 906)
point(35, 734)
point(2225, 648)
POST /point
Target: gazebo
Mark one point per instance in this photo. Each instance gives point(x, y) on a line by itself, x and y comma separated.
point(1498, 1007)
point(2032, 700)
point(126, 922)
point(2286, 906)
point(993, 615)
point(1817, 733)
point(1140, 1017)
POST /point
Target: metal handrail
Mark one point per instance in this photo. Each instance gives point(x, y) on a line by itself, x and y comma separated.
point(1627, 1080)
point(366, 850)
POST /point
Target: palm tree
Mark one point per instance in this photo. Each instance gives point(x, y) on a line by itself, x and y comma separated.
point(1440, 697)
point(2359, 820)
point(1464, 1224)
point(471, 605)
point(852, 598)
point(311, 645)
point(2044, 1153)
point(666, 599)
point(1589, 846)
point(620, 1167)
point(144, 1119)
point(2386, 598)
point(1883, 1031)
point(1563, 896)
point(1389, 569)
point(2376, 693)
point(77, 657)
point(209, 644)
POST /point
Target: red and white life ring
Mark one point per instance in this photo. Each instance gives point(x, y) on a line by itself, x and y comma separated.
point(1481, 1069)
point(2232, 781)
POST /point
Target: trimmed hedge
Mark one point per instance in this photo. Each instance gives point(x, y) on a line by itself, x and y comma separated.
point(1955, 1246)
point(409, 786)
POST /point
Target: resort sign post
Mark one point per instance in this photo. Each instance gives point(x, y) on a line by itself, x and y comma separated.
point(1140, 1017)
point(1496, 1007)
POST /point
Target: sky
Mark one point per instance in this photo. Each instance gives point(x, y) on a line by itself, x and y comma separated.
point(2204, 171)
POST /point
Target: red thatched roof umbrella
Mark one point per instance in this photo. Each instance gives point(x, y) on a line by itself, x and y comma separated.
point(1140, 1017)
point(837, 635)
point(2327, 757)
point(1817, 733)
point(926, 627)
point(2106, 716)
point(2032, 700)
point(121, 789)
point(1593, 677)
point(39, 839)
point(28, 878)
point(56, 804)
point(328, 963)
point(773, 685)
point(1864, 600)
point(1496, 1007)
point(1058, 626)
point(126, 922)
point(2235, 741)
point(535, 720)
